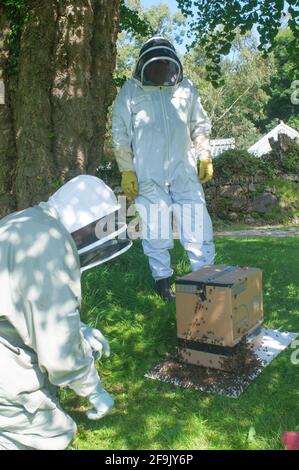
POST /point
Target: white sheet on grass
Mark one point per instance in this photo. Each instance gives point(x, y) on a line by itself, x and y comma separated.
point(273, 342)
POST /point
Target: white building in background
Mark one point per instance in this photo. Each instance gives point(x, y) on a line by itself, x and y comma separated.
point(219, 146)
point(262, 146)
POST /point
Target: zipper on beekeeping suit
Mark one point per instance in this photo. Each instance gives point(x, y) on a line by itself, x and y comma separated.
point(167, 135)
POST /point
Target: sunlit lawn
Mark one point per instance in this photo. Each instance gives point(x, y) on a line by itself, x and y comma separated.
point(118, 299)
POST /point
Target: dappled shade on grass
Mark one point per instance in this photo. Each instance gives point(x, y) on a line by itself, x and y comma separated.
point(119, 299)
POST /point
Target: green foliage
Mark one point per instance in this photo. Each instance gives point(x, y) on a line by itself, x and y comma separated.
point(238, 105)
point(214, 25)
point(238, 163)
point(131, 22)
point(235, 163)
point(287, 193)
point(108, 171)
point(56, 184)
point(280, 163)
point(294, 122)
point(279, 88)
point(291, 162)
point(119, 81)
point(17, 13)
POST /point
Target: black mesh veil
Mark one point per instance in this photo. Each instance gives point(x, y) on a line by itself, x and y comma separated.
point(158, 64)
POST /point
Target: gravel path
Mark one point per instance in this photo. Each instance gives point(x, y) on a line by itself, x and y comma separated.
point(259, 232)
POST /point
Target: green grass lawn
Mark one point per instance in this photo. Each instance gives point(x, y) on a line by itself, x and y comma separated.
point(118, 299)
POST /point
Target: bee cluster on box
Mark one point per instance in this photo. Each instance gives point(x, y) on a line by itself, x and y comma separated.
point(217, 307)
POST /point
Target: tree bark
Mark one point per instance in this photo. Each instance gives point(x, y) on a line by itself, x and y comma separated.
point(7, 142)
point(56, 115)
point(32, 107)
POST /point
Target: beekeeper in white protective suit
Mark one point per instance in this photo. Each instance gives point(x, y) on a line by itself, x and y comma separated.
point(43, 345)
point(160, 131)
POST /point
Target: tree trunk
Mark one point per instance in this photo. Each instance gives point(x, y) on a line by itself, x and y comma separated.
point(7, 142)
point(55, 117)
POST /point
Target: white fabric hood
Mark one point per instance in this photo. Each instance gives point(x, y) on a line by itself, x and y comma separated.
point(89, 210)
point(83, 200)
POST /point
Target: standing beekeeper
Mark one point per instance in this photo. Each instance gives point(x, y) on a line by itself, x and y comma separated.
point(43, 345)
point(162, 145)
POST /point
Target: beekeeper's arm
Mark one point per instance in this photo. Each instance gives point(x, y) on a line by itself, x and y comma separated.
point(52, 310)
point(200, 130)
point(122, 141)
point(51, 296)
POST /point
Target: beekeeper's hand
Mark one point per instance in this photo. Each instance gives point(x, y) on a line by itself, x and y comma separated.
point(129, 184)
point(205, 170)
point(101, 401)
point(96, 341)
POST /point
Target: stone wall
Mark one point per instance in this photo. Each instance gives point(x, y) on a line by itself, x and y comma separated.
point(248, 199)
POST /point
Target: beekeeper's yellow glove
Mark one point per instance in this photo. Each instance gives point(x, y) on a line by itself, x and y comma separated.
point(129, 184)
point(205, 170)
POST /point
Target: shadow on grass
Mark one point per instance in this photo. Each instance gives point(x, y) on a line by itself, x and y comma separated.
point(119, 299)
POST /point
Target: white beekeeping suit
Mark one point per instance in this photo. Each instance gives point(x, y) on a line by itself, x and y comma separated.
point(160, 130)
point(43, 344)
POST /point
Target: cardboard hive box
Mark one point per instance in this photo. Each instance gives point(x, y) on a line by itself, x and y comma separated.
point(216, 307)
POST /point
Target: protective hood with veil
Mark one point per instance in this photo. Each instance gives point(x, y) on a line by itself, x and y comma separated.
point(158, 64)
point(92, 218)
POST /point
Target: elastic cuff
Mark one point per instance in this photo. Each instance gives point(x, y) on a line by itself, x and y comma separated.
point(163, 277)
point(124, 160)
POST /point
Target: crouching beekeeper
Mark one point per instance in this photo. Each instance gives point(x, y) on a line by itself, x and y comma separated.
point(43, 344)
